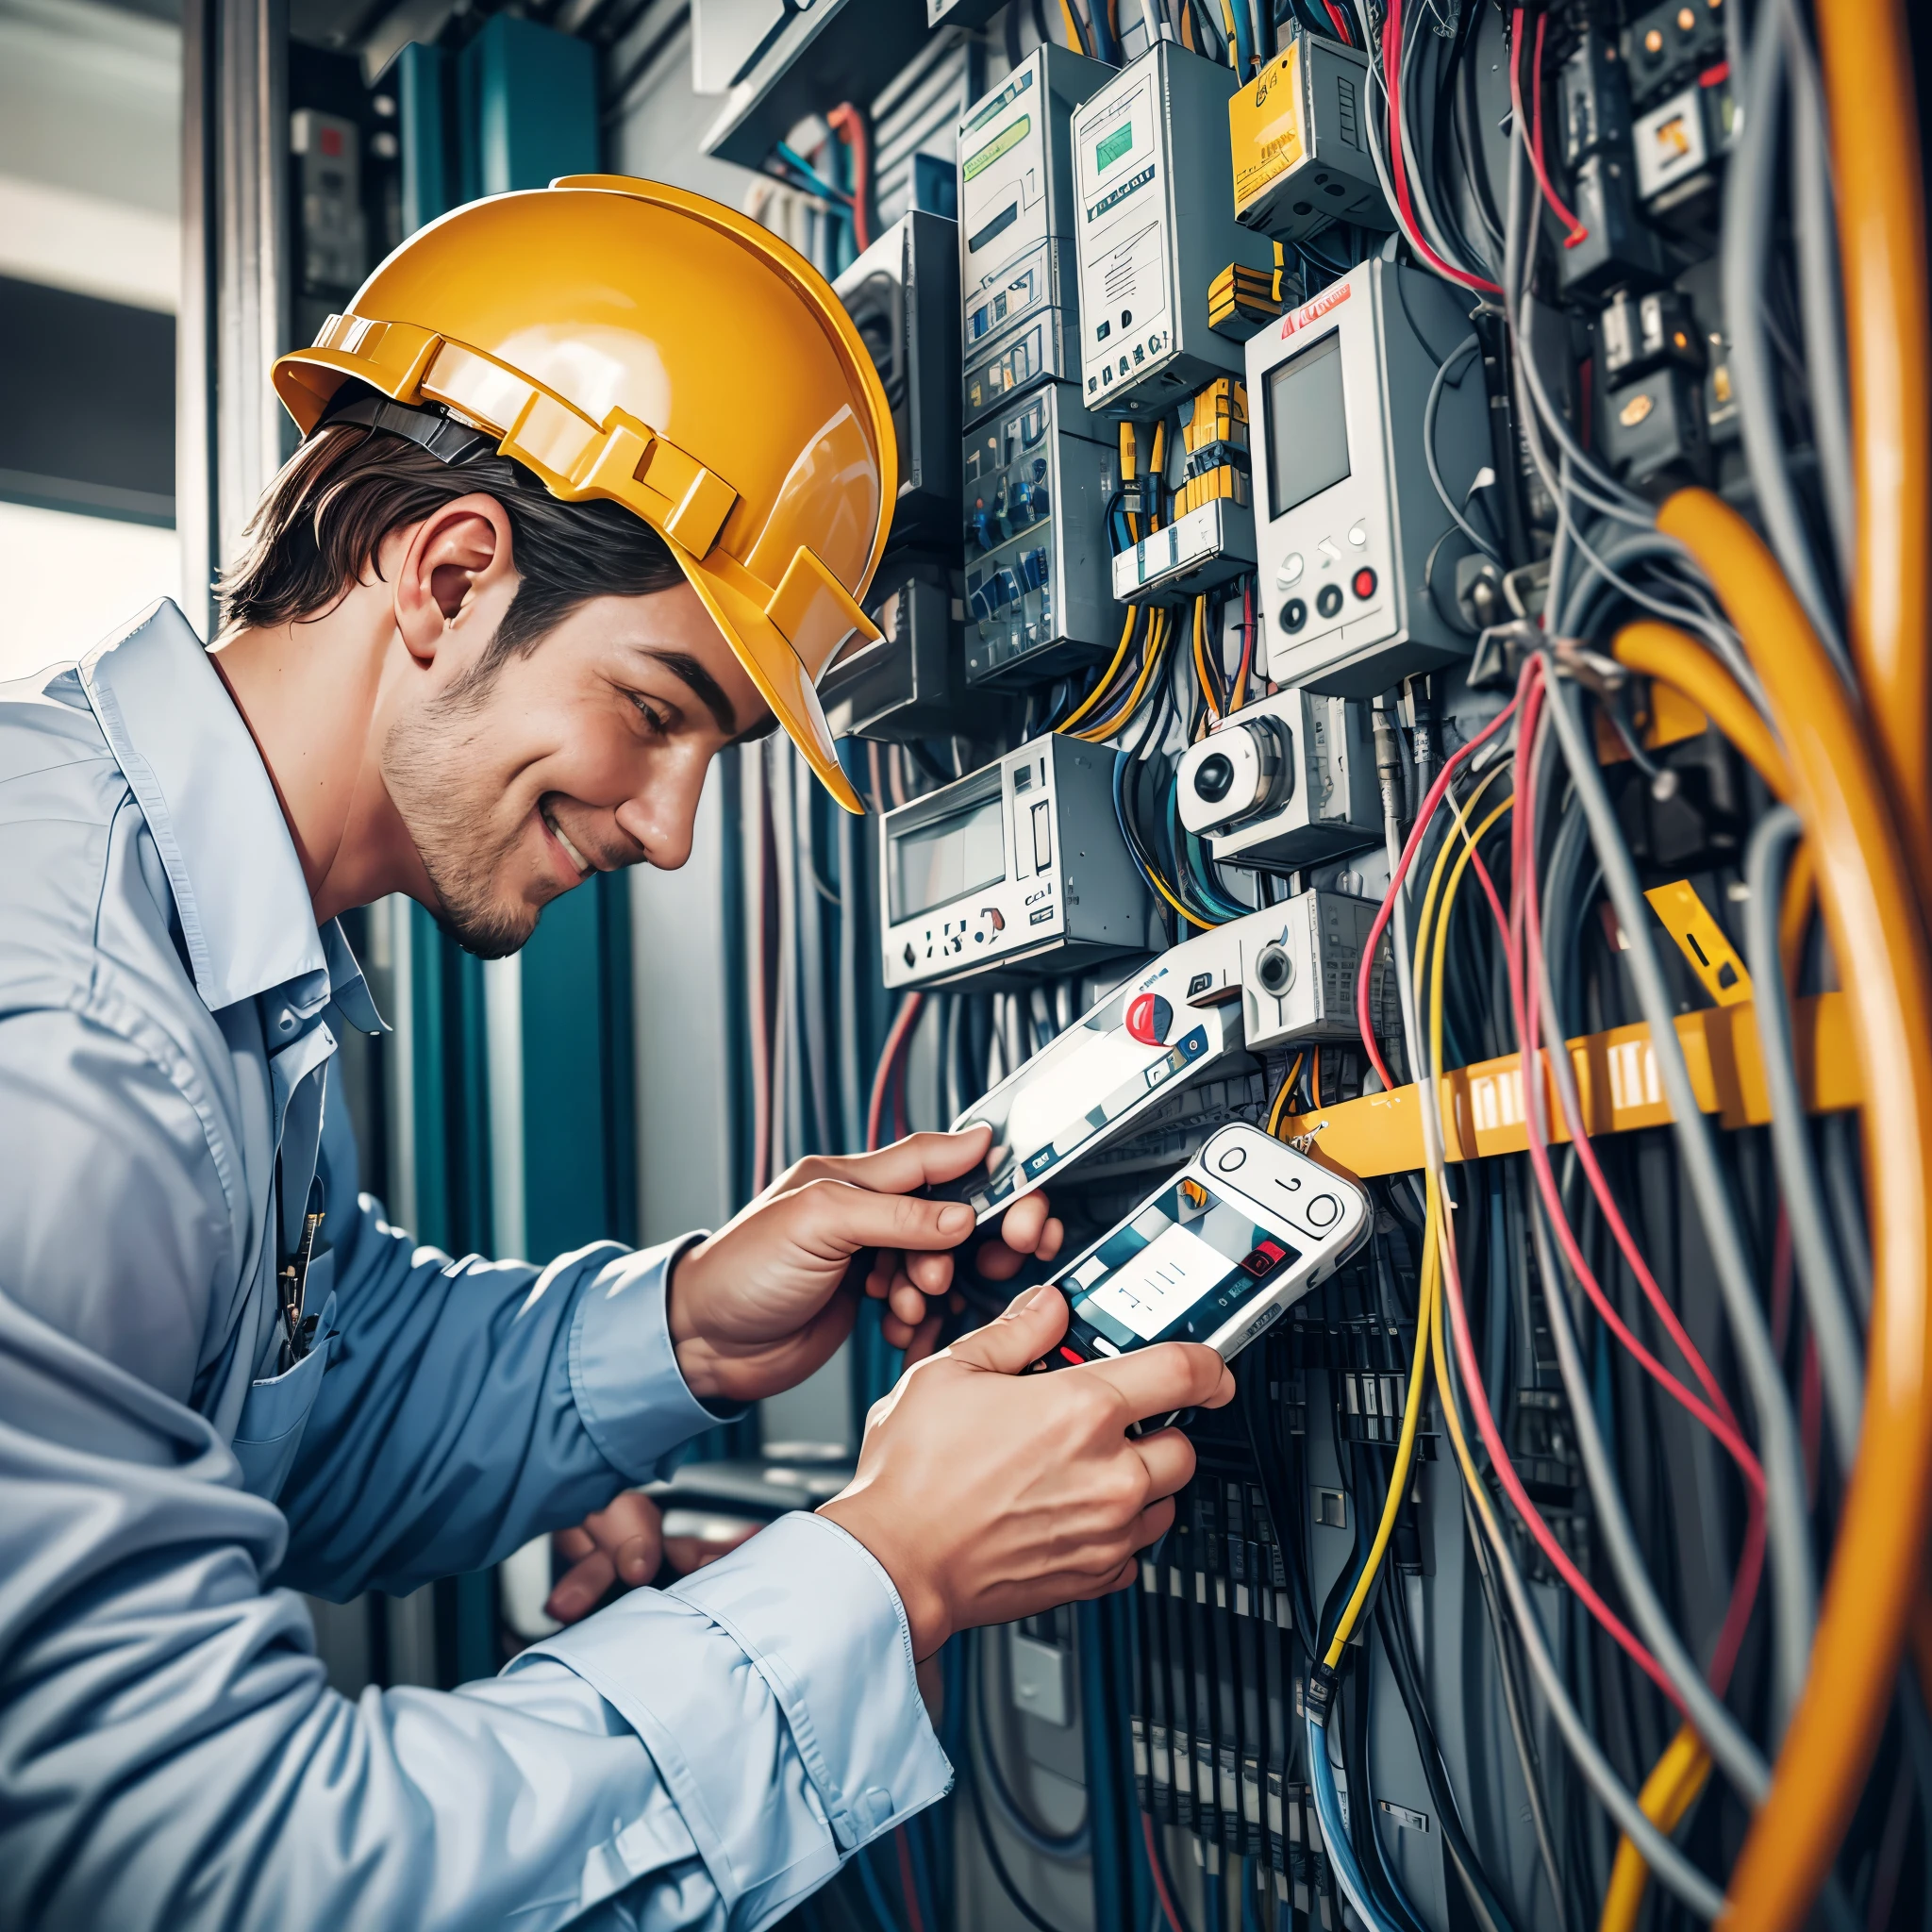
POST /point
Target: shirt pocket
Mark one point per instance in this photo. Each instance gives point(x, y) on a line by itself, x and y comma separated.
point(276, 1413)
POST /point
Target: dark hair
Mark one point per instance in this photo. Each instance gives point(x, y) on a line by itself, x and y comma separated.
point(315, 535)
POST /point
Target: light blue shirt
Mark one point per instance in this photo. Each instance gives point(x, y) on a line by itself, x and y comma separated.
point(171, 1754)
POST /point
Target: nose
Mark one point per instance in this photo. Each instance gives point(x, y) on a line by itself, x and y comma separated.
point(661, 817)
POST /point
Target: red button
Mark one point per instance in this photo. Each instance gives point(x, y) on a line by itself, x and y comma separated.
point(1363, 583)
point(1149, 1016)
point(1068, 1355)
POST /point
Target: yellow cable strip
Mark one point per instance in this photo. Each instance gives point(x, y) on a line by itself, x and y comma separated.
point(1876, 1576)
point(1281, 1096)
point(1428, 1315)
point(1673, 1786)
point(1074, 36)
point(1107, 677)
point(1157, 649)
point(1201, 657)
point(1234, 59)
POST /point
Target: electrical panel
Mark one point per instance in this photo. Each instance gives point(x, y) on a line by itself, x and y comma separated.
point(1152, 166)
point(909, 683)
point(1326, 403)
point(1020, 321)
point(1300, 145)
point(1283, 783)
point(1351, 529)
point(1036, 483)
point(903, 295)
point(1018, 866)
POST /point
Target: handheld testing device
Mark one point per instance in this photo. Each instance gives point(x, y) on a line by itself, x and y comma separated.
point(1216, 1254)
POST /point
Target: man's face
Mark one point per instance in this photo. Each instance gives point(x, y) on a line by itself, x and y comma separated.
point(585, 753)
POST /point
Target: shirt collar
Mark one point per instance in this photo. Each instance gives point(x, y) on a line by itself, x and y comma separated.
point(246, 913)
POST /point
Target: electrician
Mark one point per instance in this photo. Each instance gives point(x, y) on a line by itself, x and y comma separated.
point(592, 482)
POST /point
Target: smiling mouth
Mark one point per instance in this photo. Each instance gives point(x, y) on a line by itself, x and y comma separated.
point(562, 838)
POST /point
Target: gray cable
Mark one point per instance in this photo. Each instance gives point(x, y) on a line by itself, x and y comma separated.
point(1795, 1590)
point(1814, 228)
point(1840, 1364)
point(1513, 1702)
point(1722, 1736)
point(1430, 409)
point(1663, 1857)
point(1749, 188)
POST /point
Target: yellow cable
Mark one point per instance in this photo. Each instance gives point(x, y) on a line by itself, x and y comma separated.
point(1234, 59)
point(1074, 39)
point(1866, 57)
point(1107, 677)
point(1674, 656)
point(1281, 1096)
point(1879, 942)
point(1428, 1313)
point(1669, 1791)
point(1201, 656)
point(1156, 647)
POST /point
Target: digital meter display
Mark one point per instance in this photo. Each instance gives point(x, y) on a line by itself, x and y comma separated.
point(1111, 147)
point(1307, 425)
point(1176, 1272)
point(946, 857)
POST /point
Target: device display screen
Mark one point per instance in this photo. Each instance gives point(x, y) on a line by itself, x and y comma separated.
point(1175, 1272)
point(946, 857)
point(1307, 425)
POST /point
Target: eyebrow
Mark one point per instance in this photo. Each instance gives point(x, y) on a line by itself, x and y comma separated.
point(710, 693)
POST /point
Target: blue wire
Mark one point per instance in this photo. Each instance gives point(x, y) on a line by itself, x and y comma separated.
point(922, 1873)
point(1211, 1913)
point(1335, 1833)
point(1250, 1919)
point(819, 186)
point(875, 1897)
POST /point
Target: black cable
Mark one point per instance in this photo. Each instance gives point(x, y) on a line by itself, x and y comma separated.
point(998, 1864)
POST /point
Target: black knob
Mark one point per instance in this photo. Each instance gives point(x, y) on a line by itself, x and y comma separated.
point(1214, 777)
point(1294, 613)
point(1329, 599)
point(1275, 969)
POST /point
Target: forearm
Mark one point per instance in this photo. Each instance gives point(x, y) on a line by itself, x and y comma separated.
point(473, 1405)
point(172, 1756)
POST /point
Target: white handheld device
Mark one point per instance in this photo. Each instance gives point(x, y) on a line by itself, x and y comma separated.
point(1242, 1233)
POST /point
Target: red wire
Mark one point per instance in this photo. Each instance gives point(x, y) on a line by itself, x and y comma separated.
point(1513, 1484)
point(1388, 905)
point(1522, 942)
point(906, 1883)
point(1392, 75)
point(1532, 135)
point(1174, 1918)
point(895, 1039)
point(1338, 22)
point(847, 123)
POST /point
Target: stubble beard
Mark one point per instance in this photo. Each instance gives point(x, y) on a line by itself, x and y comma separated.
point(430, 762)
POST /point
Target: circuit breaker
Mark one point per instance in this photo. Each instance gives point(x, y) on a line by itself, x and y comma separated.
point(1357, 545)
point(1038, 590)
point(1021, 306)
point(1300, 142)
point(1156, 226)
point(903, 295)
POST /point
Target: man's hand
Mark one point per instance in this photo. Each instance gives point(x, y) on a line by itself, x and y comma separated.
point(759, 1304)
point(621, 1543)
point(988, 1495)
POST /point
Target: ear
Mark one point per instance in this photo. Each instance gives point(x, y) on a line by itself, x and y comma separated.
point(449, 562)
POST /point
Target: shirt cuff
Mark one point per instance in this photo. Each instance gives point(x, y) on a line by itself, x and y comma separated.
point(802, 1617)
point(623, 1370)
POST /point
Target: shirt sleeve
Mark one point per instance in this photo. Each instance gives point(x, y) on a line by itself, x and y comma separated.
point(471, 1404)
point(170, 1756)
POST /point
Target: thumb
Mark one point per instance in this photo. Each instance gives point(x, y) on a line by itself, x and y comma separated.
point(1031, 1325)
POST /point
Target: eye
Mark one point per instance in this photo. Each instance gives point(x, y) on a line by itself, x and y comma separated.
point(654, 720)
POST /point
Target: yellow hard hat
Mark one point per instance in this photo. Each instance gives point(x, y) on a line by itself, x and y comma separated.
point(627, 340)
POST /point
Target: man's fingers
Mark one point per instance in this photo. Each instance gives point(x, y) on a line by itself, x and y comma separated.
point(574, 1544)
point(1170, 1460)
point(580, 1590)
point(1170, 1375)
point(838, 1217)
point(913, 1162)
point(1021, 1224)
point(1153, 1523)
point(1028, 1328)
